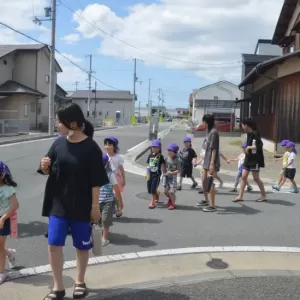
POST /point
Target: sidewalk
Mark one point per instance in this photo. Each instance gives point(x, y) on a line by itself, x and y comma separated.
point(32, 136)
point(118, 276)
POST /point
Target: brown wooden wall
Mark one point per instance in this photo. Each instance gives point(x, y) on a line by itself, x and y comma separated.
point(289, 108)
point(263, 110)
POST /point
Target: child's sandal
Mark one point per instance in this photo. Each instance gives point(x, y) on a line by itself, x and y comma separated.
point(56, 295)
point(80, 291)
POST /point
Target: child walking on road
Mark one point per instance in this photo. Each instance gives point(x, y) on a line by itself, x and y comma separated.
point(187, 155)
point(240, 159)
point(170, 178)
point(107, 200)
point(8, 206)
point(289, 169)
point(111, 147)
point(156, 165)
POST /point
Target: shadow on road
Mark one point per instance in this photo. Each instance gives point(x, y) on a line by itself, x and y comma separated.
point(125, 240)
point(31, 229)
point(237, 210)
point(131, 294)
point(280, 202)
point(127, 220)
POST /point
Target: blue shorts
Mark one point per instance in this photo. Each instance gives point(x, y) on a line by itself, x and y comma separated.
point(5, 231)
point(81, 233)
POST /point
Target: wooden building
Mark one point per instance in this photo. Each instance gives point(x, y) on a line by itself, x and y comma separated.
point(275, 83)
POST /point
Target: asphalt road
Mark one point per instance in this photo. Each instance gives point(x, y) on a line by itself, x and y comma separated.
point(23, 160)
point(275, 223)
point(255, 288)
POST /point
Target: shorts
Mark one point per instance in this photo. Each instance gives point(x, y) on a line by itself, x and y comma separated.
point(152, 184)
point(171, 183)
point(107, 213)
point(5, 231)
point(80, 231)
point(252, 168)
point(186, 171)
point(289, 173)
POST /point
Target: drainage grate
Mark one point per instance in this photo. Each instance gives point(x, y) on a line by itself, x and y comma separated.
point(217, 264)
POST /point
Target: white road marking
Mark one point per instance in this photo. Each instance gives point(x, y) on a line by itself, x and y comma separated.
point(154, 253)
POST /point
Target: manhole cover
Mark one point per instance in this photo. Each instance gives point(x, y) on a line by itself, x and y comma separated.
point(144, 196)
point(217, 264)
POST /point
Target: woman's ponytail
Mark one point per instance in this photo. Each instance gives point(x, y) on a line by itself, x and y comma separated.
point(88, 128)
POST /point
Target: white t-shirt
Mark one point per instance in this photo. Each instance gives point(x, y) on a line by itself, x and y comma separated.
point(115, 162)
point(241, 160)
point(292, 157)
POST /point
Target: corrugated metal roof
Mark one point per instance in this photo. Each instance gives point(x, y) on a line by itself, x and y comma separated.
point(11, 87)
point(6, 49)
point(116, 95)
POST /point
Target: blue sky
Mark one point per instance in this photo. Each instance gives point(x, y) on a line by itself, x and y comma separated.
point(200, 42)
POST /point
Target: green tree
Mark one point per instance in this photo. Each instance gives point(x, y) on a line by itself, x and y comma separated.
point(153, 111)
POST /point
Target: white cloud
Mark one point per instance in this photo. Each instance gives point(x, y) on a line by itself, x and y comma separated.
point(202, 31)
point(19, 14)
point(71, 38)
point(71, 73)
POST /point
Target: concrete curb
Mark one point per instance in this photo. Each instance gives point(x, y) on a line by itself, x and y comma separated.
point(43, 137)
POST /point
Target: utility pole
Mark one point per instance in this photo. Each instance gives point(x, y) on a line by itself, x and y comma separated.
point(76, 85)
point(158, 102)
point(95, 99)
point(139, 109)
point(90, 84)
point(52, 85)
point(134, 82)
point(149, 96)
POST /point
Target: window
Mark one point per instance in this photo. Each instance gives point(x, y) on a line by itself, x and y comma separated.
point(32, 107)
point(216, 98)
point(39, 108)
point(47, 79)
point(264, 104)
point(273, 102)
point(25, 110)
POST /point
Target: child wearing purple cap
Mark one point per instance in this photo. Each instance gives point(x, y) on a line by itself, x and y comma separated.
point(8, 206)
point(240, 159)
point(289, 169)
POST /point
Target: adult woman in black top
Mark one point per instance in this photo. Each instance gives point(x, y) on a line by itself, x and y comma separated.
point(76, 173)
point(254, 159)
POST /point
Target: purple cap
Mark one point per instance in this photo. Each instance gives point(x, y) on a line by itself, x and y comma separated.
point(290, 145)
point(156, 143)
point(244, 145)
point(187, 139)
point(283, 143)
point(173, 148)
point(112, 139)
point(105, 158)
point(4, 168)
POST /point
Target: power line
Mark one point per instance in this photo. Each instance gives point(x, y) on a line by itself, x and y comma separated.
point(137, 48)
point(60, 53)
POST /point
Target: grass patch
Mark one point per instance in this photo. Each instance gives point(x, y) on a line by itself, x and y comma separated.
point(237, 143)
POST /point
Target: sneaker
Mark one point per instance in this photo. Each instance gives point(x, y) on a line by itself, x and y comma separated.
point(105, 243)
point(233, 190)
point(119, 213)
point(294, 191)
point(203, 203)
point(209, 209)
point(11, 257)
point(221, 185)
point(179, 188)
point(194, 185)
point(171, 207)
point(151, 206)
point(249, 188)
point(275, 187)
point(3, 276)
point(169, 202)
point(200, 191)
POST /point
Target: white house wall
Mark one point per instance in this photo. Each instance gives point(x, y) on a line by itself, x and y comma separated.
point(108, 108)
point(6, 71)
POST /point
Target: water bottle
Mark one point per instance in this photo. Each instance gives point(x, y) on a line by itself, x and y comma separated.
point(254, 144)
point(97, 239)
point(148, 173)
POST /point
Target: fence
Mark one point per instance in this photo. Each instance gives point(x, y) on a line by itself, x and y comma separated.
point(14, 127)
